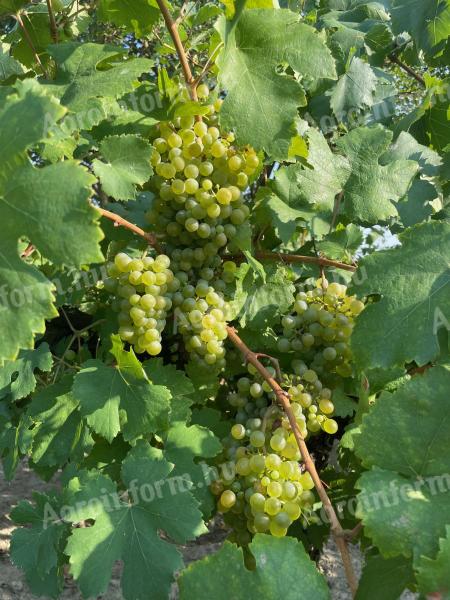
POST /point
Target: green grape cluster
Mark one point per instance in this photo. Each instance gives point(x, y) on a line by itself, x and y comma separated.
point(262, 488)
point(145, 288)
point(320, 327)
point(201, 315)
point(199, 183)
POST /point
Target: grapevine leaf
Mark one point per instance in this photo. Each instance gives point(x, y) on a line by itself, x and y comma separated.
point(38, 549)
point(130, 531)
point(26, 299)
point(433, 574)
point(284, 218)
point(354, 89)
point(343, 243)
point(11, 444)
point(412, 399)
point(371, 188)
point(406, 147)
point(10, 7)
point(79, 77)
point(257, 306)
point(280, 563)
point(127, 165)
point(59, 433)
point(403, 503)
point(9, 66)
point(413, 281)
point(27, 102)
point(416, 207)
point(427, 22)
point(176, 382)
point(33, 204)
point(17, 377)
point(320, 185)
point(384, 577)
point(121, 398)
point(137, 16)
point(255, 45)
point(183, 445)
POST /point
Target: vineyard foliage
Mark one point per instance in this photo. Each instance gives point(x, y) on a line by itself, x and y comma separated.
point(226, 246)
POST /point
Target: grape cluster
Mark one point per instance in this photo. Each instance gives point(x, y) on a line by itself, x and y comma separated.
point(262, 488)
point(199, 183)
point(320, 327)
point(145, 288)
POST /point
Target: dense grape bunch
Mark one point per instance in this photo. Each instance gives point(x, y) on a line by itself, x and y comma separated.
point(262, 488)
point(199, 184)
point(320, 327)
point(144, 289)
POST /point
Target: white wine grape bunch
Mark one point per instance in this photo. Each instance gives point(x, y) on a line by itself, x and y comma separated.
point(199, 184)
point(320, 326)
point(262, 488)
point(144, 288)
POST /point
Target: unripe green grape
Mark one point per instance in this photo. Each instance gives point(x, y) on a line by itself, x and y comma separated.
point(218, 149)
point(202, 91)
point(330, 426)
point(257, 439)
point(213, 211)
point(200, 128)
point(238, 432)
point(277, 443)
point(272, 506)
point(154, 348)
point(191, 186)
point(228, 499)
point(257, 502)
point(191, 171)
point(174, 140)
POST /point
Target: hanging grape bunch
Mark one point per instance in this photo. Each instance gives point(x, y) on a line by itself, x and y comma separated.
point(199, 183)
point(144, 288)
point(263, 488)
point(320, 326)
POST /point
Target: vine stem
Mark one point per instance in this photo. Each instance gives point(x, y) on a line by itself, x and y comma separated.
point(29, 41)
point(121, 222)
point(297, 258)
point(394, 59)
point(283, 400)
point(53, 26)
point(172, 27)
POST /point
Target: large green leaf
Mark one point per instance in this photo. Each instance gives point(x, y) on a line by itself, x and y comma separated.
point(320, 185)
point(37, 549)
point(384, 577)
point(137, 16)
point(354, 90)
point(413, 281)
point(26, 102)
point(17, 377)
point(130, 531)
point(58, 434)
point(371, 189)
point(406, 147)
point(127, 164)
point(261, 104)
point(182, 446)
point(434, 574)
point(282, 569)
point(79, 77)
point(9, 66)
point(121, 398)
point(50, 206)
point(428, 22)
point(178, 384)
point(404, 497)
